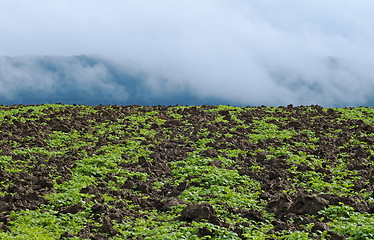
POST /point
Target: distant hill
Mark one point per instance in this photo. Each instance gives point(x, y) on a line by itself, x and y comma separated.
point(93, 80)
point(85, 80)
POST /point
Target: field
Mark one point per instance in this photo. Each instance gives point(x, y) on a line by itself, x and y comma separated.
point(178, 172)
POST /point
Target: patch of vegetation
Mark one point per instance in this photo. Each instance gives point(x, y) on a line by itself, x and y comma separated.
point(133, 172)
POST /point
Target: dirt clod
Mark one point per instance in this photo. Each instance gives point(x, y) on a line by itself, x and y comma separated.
point(198, 212)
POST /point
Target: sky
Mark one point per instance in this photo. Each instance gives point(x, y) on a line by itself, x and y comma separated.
point(248, 52)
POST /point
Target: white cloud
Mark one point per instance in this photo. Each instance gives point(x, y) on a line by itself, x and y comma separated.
point(253, 51)
point(23, 74)
point(51, 75)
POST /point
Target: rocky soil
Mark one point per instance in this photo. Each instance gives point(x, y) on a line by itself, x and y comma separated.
point(200, 172)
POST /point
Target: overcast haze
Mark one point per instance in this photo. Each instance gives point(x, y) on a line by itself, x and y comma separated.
point(252, 52)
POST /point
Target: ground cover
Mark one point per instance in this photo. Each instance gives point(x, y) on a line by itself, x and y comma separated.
point(178, 172)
